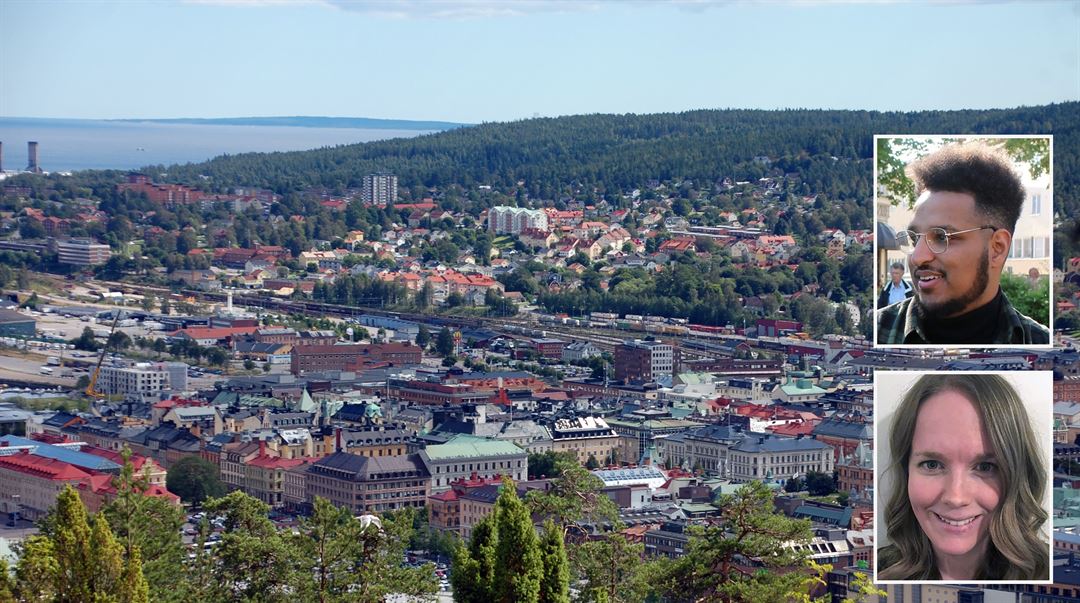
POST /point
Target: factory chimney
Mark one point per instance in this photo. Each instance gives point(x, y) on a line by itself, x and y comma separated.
point(31, 152)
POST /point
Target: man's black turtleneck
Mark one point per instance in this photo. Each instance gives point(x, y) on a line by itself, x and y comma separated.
point(976, 326)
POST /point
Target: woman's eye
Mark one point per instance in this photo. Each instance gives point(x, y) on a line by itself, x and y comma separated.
point(986, 467)
point(931, 465)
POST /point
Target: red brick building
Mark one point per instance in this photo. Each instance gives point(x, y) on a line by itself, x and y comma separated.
point(772, 327)
point(855, 472)
point(489, 382)
point(433, 394)
point(1067, 389)
point(548, 349)
point(643, 361)
point(444, 508)
point(316, 358)
point(169, 195)
point(277, 335)
point(844, 434)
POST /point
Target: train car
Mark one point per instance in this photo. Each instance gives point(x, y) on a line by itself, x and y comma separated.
point(603, 316)
point(634, 317)
point(705, 331)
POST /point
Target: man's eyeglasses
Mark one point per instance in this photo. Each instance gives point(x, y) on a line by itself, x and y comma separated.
point(937, 239)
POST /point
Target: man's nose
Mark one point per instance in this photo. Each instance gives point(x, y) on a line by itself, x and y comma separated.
point(921, 254)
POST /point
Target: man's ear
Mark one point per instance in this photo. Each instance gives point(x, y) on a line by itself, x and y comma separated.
point(1000, 244)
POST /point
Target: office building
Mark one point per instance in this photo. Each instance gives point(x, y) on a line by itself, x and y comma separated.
point(82, 252)
point(643, 361)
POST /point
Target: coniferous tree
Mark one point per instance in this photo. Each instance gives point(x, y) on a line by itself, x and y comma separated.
point(423, 336)
point(151, 526)
point(253, 561)
point(7, 585)
point(444, 343)
point(74, 557)
point(380, 572)
point(555, 584)
point(474, 566)
point(133, 581)
point(38, 572)
point(750, 528)
point(518, 568)
point(613, 571)
point(75, 560)
point(327, 545)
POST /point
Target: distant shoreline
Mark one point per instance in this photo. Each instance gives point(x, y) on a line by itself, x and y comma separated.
point(66, 144)
point(307, 122)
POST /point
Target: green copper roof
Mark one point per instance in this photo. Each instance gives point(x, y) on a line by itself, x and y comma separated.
point(466, 446)
point(306, 404)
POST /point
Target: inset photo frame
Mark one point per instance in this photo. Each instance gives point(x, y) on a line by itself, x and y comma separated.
point(963, 245)
point(963, 477)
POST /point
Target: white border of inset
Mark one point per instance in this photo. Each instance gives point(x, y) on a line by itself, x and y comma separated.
point(1036, 389)
point(874, 250)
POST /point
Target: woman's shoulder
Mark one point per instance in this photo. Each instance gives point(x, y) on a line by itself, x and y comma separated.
point(890, 565)
point(887, 556)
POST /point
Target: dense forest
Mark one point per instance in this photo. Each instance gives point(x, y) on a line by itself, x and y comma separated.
point(594, 156)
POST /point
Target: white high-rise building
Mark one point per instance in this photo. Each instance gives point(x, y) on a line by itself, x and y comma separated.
point(380, 189)
point(502, 219)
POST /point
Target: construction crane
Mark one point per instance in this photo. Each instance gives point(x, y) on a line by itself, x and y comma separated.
point(90, 391)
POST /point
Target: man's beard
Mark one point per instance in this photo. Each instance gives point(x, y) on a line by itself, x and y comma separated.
point(956, 305)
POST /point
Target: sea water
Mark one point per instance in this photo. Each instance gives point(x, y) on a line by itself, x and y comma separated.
point(66, 145)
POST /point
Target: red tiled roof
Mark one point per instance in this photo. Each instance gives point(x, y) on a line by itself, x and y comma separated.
point(274, 462)
point(40, 466)
point(102, 484)
point(174, 402)
point(137, 460)
point(447, 496)
point(792, 429)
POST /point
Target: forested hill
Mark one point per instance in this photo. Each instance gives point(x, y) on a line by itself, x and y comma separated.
point(588, 155)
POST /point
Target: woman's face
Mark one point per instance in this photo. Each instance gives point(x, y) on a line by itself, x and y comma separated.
point(954, 483)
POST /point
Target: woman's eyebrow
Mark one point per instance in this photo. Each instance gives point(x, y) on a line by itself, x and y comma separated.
point(937, 456)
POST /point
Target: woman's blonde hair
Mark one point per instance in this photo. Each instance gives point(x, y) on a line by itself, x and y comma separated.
point(1016, 550)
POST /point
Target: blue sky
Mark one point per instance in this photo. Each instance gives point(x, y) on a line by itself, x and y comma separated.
point(482, 60)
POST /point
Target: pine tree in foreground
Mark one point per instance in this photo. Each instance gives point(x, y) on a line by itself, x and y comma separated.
point(518, 568)
point(503, 562)
point(75, 560)
point(555, 583)
point(474, 565)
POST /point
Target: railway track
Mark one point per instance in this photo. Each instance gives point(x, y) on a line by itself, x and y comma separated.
point(605, 339)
